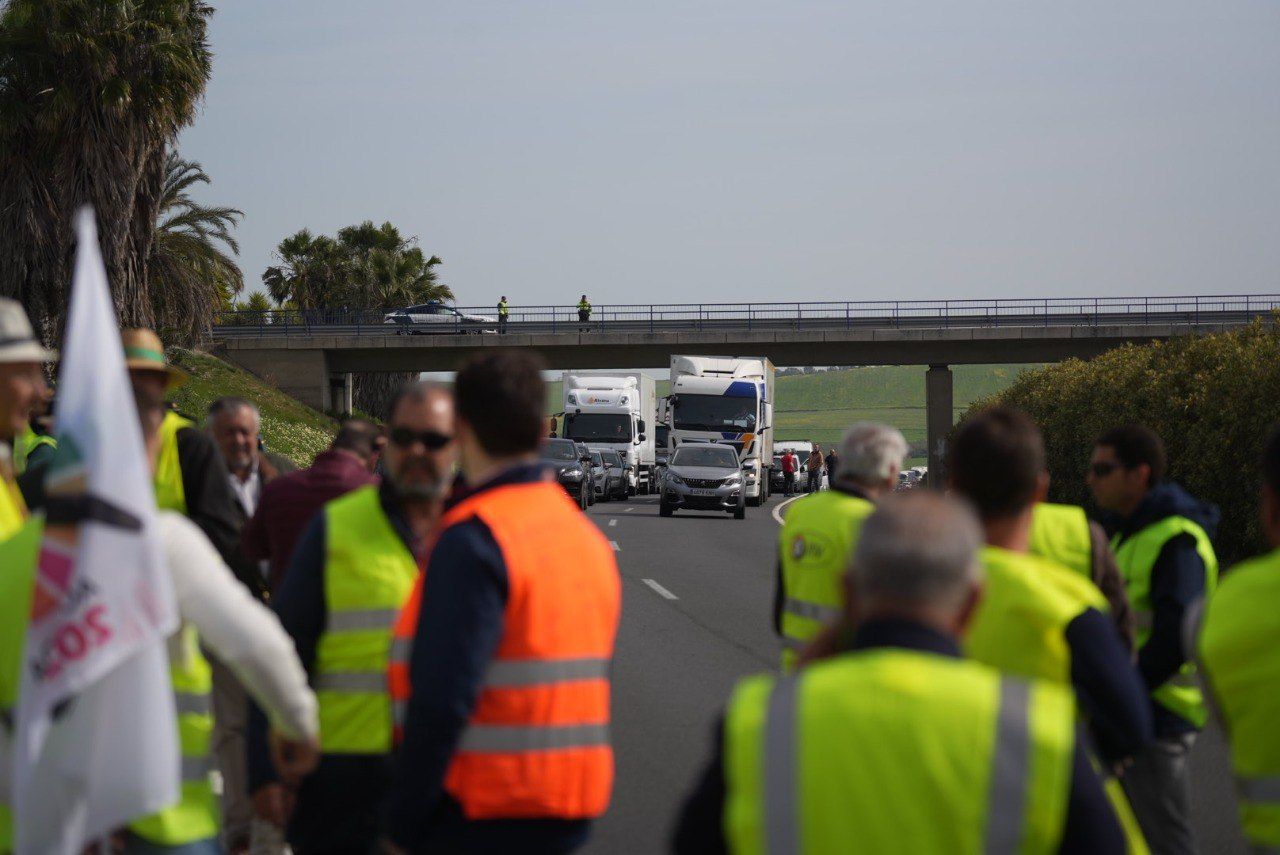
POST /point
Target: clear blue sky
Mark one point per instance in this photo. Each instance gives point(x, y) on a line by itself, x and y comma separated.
point(732, 151)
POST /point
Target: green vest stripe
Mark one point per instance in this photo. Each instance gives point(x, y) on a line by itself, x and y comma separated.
point(1136, 556)
point(781, 776)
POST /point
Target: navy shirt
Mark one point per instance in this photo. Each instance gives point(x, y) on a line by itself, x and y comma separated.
point(459, 627)
point(1090, 826)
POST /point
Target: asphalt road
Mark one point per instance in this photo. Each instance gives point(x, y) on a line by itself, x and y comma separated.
point(697, 591)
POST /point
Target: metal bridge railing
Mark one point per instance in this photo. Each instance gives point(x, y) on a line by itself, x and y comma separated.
point(677, 317)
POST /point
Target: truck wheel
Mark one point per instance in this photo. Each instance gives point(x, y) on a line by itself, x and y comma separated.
point(664, 510)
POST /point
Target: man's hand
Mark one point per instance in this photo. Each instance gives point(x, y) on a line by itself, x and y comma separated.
point(294, 759)
point(273, 803)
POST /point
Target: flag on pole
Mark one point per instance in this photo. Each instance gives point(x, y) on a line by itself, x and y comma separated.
point(95, 740)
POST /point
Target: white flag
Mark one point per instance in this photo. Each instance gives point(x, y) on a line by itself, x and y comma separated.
point(95, 743)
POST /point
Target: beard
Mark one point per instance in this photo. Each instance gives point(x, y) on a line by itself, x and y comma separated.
point(429, 486)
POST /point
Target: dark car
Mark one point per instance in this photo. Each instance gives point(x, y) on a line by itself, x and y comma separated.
point(572, 471)
point(613, 481)
point(584, 454)
point(777, 479)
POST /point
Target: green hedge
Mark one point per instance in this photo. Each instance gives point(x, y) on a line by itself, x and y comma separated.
point(1212, 398)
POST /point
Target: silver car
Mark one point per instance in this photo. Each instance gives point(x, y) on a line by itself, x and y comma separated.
point(703, 478)
point(436, 317)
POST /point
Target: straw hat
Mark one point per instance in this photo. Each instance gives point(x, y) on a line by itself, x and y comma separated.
point(144, 352)
point(17, 340)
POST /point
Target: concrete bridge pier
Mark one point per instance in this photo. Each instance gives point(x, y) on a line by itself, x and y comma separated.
point(300, 373)
point(939, 402)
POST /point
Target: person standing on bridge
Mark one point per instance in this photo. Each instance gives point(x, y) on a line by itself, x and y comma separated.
point(1239, 645)
point(503, 312)
point(820, 533)
point(1162, 539)
point(350, 574)
point(896, 742)
point(584, 310)
point(501, 660)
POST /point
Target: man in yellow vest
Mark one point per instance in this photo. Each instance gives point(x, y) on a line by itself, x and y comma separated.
point(1162, 540)
point(898, 744)
point(821, 531)
point(1037, 618)
point(22, 387)
point(1239, 646)
point(351, 572)
point(504, 312)
point(584, 309)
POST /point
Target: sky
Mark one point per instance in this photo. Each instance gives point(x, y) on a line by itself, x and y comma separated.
point(745, 151)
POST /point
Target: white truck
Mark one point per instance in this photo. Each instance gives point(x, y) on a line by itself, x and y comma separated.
point(618, 410)
point(726, 400)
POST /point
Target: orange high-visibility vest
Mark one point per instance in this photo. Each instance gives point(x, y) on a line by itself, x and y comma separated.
point(537, 744)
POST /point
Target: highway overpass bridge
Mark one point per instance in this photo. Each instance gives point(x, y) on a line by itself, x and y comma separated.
point(311, 355)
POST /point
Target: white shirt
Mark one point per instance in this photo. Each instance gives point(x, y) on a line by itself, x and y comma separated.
point(244, 634)
point(248, 490)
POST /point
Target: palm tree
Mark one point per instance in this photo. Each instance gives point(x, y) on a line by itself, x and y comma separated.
point(189, 273)
point(91, 95)
point(387, 271)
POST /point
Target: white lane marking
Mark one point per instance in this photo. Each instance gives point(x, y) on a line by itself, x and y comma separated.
point(661, 590)
point(777, 512)
point(616, 547)
point(629, 510)
point(613, 522)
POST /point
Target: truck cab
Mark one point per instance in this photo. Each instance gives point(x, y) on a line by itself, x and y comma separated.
point(614, 410)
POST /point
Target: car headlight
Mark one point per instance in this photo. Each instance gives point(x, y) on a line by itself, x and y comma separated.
point(573, 472)
point(671, 476)
point(733, 481)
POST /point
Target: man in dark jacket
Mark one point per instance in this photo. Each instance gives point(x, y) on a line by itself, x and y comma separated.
point(291, 501)
point(339, 807)
point(1162, 537)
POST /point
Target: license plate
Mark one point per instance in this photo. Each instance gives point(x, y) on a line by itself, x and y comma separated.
point(698, 492)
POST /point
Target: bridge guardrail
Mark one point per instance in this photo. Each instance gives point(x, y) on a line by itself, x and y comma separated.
point(1092, 311)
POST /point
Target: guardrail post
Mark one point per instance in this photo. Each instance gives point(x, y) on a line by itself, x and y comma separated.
point(1046, 312)
point(846, 315)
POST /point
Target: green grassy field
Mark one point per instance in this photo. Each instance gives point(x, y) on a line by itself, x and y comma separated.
point(288, 427)
point(819, 407)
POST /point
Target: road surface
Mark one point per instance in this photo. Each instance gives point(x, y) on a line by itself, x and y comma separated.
point(697, 591)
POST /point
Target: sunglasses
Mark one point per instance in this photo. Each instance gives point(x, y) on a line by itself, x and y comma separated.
point(1102, 470)
point(431, 440)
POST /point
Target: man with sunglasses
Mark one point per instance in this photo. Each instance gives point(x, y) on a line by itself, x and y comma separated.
point(351, 572)
point(1162, 539)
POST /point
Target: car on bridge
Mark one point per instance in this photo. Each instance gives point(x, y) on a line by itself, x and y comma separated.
point(437, 317)
point(703, 477)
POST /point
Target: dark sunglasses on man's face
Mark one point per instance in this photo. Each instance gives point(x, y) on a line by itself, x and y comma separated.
point(431, 440)
point(1102, 470)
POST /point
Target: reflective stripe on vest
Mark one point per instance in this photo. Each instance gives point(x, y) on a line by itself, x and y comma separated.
point(368, 575)
point(170, 493)
point(1060, 533)
point(815, 544)
point(195, 816)
point(546, 692)
point(1136, 556)
point(787, 747)
point(1239, 655)
point(1020, 625)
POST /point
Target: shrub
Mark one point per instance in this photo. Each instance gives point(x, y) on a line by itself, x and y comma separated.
point(1212, 398)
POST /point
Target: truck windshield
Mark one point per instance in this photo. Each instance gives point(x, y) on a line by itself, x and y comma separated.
point(598, 427)
point(715, 412)
point(705, 455)
point(560, 449)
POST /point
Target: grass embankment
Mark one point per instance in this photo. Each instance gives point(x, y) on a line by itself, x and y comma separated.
point(819, 407)
point(288, 427)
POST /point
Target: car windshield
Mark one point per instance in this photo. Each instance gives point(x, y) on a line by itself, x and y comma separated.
point(715, 413)
point(660, 435)
point(613, 458)
point(596, 459)
point(706, 455)
point(559, 449)
point(598, 427)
